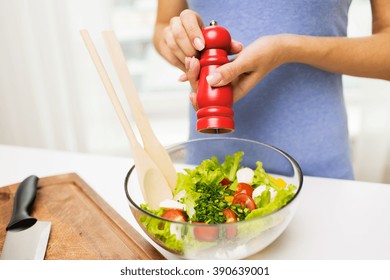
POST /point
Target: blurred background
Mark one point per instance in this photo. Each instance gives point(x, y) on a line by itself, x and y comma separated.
point(51, 96)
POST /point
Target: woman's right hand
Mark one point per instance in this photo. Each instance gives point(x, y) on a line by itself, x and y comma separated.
point(181, 38)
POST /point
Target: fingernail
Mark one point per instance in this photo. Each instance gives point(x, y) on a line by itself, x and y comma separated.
point(183, 78)
point(192, 98)
point(191, 64)
point(187, 62)
point(214, 78)
point(198, 43)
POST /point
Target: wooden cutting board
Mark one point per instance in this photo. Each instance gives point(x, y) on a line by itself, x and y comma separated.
point(84, 226)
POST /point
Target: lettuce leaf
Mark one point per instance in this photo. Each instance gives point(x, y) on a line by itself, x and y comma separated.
point(187, 183)
point(231, 165)
point(263, 199)
point(160, 230)
point(282, 197)
point(260, 177)
point(209, 172)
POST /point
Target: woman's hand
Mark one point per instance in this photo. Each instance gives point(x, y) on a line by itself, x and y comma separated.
point(181, 38)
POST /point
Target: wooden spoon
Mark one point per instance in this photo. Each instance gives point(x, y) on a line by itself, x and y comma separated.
point(151, 144)
point(154, 186)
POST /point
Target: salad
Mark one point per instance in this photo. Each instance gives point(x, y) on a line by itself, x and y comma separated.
point(216, 193)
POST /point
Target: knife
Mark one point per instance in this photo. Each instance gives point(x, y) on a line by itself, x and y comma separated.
point(26, 237)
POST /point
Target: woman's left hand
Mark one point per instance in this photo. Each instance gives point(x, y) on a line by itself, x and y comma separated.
point(249, 67)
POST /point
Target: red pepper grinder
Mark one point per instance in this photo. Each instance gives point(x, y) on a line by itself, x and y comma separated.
point(215, 114)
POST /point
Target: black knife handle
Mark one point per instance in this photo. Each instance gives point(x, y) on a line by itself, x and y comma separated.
point(24, 199)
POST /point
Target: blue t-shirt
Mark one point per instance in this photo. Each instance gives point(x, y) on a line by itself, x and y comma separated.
point(297, 108)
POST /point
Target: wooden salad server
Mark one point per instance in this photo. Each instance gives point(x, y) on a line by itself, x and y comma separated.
point(153, 183)
point(151, 144)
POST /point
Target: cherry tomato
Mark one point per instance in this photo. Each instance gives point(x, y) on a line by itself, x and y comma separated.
point(244, 200)
point(231, 231)
point(244, 188)
point(225, 182)
point(231, 217)
point(174, 215)
point(207, 233)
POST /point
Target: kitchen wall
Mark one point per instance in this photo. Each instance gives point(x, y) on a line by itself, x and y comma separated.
point(51, 96)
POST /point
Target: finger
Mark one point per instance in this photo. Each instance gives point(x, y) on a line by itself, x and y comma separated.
point(171, 57)
point(187, 62)
point(193, 73)
point(171, 45)
point(183, 78)
point(192, 98)
point(225, 73)
point(193, 24)
point(181, 38)
point(243, 85)
point(236, 47)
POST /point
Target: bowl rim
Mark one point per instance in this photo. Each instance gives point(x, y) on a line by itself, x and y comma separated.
point(290, 158)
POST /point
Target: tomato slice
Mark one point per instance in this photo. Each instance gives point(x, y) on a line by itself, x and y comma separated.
point(174, 215)
point(231, 231)
point(244, 188)
point(244, 200)
point(231, 217)
point(225, 182)
point(207, 233)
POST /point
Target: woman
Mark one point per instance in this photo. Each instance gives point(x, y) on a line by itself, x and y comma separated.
point(286, 75)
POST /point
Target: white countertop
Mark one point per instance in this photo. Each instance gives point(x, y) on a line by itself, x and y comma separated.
point(335, 220)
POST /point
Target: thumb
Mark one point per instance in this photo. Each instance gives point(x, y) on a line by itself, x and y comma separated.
point(224, 74)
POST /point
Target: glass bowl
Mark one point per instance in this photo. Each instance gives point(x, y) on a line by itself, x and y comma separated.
point(236, 240)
